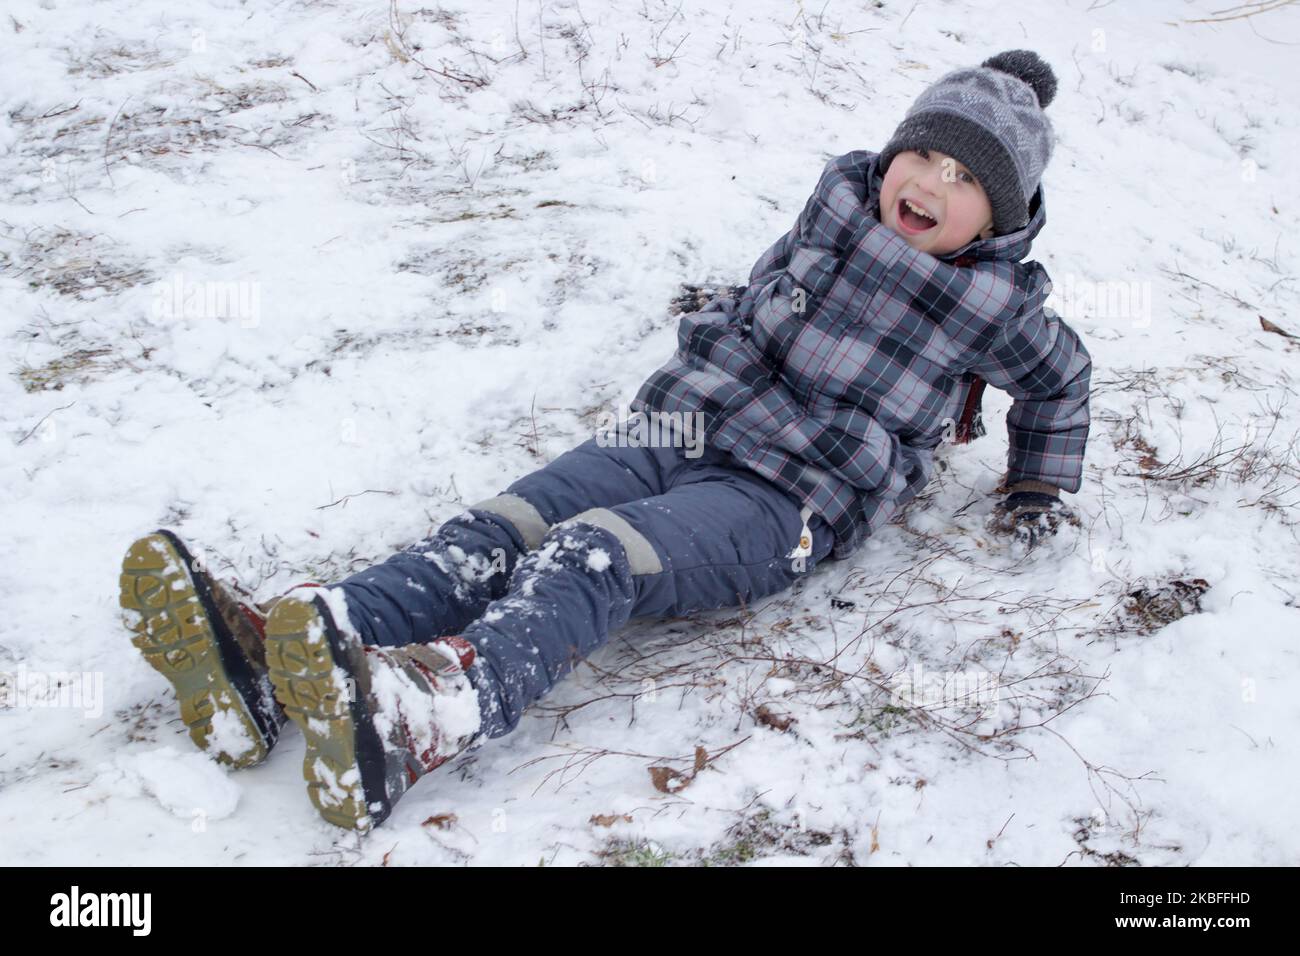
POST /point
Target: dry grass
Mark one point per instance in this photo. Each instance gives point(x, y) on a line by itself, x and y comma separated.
point(752, 837)
point(71, 263)
point(207, 115)
point(78, 366)
point(114, 58)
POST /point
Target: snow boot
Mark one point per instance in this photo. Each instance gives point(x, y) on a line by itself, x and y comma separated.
point(376, 719)
point(207, 643)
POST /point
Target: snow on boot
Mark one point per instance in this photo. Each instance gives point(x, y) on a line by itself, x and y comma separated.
point(376, 719)
point(208, 644)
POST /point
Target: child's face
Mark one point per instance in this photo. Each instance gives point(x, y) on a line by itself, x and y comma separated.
point(946, 190)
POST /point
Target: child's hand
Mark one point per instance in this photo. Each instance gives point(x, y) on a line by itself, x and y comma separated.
point(1030, 516)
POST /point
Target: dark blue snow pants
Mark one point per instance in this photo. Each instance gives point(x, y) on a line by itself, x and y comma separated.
point(539, 576)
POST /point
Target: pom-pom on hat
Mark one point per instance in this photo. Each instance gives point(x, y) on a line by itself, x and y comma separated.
point(990, 118)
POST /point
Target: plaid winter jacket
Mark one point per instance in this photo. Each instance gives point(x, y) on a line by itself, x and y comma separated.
point(849, 357)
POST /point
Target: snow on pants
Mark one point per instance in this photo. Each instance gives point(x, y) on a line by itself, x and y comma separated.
point(538, 577)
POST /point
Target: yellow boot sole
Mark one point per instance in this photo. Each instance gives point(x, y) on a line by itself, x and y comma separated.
point(310, 686)
point(171, 627)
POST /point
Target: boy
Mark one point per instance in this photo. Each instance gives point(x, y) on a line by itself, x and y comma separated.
point(860, 343)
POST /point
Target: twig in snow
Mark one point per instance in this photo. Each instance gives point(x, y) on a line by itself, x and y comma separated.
point(108, 138)
point(1242, 11)
point(1227, 295)
point(909, 15)
point(42, 421)
point(346, 498)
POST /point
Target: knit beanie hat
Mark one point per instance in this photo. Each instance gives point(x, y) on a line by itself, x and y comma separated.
point(990, 118)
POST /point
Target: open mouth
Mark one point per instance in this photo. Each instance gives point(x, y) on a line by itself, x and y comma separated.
point(915, 218)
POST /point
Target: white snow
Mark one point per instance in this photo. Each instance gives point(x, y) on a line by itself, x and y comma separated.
point(229, 735)
point(268, 281)
point(433, 720)
point(335, 790)
point(187, 784)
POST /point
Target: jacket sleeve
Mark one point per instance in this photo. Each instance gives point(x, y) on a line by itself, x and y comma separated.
point(1041, 362)
point(776, 257)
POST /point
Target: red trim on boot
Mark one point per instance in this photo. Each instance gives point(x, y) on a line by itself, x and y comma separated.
point(255, 619)
point(465, 651)
point(429, 758)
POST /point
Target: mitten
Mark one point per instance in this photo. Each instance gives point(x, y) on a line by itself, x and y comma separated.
point(1031, 512)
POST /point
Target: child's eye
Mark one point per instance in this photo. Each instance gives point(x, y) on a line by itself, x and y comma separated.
point(967, 178)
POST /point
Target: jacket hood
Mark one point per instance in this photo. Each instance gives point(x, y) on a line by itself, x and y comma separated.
point(1013, 247)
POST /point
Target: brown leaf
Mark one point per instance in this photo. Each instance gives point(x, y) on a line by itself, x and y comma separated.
point(1148, 461)
point(609, 819)
point(668, 780)
point(388, 854)
point(1268, 326)
point(768, 718)
point(701, 758)
point(443, 821)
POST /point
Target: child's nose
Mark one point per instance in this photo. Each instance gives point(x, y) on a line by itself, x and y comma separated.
point(931, 181)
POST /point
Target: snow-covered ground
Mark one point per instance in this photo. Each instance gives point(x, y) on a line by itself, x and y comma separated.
point(300, 280)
